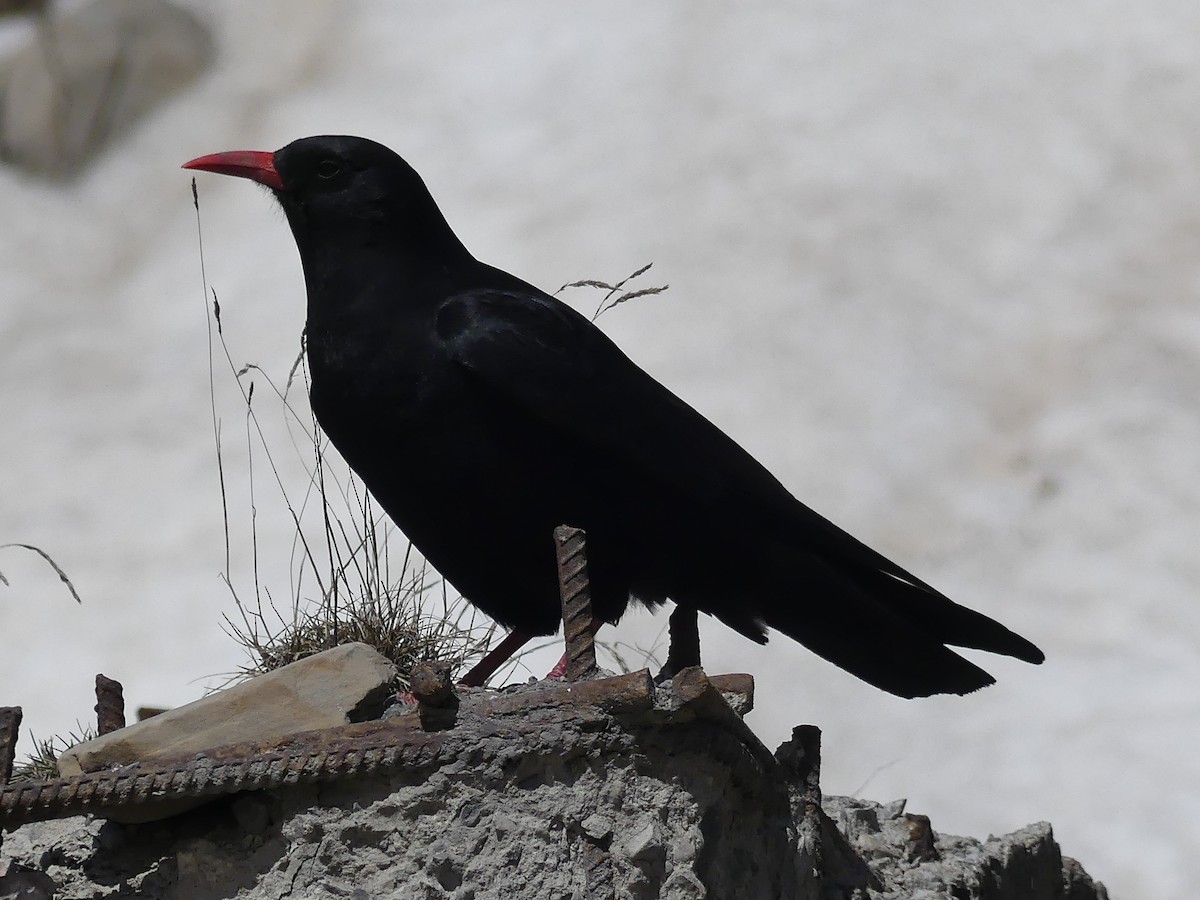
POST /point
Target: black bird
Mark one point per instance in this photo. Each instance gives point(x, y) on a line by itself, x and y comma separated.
point(482, 412)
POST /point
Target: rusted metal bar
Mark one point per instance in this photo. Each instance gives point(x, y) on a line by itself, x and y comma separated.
point(632, 692)
point(163, 786)
point(437, 704)
point(430, 684)
point(362, 748)
point(737, 689)
point(598, 873)
point(921, 845)
point(576, 594)
point(223, 771)
point(10, 725)
point(695, 693)
point(110, 705)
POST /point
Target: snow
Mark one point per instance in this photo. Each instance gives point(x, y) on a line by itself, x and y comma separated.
point(934, 264)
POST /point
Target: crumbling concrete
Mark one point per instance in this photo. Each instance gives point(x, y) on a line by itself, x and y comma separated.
point(674, 801)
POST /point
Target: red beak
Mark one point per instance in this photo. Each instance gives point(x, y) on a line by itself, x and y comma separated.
point(257, 165)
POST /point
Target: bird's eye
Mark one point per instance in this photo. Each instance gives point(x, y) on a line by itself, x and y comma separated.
point(328, 169)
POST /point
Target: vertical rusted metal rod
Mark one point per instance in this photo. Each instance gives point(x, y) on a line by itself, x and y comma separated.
point(576, 594)
point(110, 705)
point(437, 704)
point(10, 724)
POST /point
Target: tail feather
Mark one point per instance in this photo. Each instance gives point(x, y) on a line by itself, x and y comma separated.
point(941, 617)
point(887, 631)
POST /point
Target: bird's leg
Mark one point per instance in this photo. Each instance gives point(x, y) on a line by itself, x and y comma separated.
point(560, 667)
point(498, 656)
point(683, 643)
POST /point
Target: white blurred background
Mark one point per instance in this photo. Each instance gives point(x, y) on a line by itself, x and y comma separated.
point(935, 264)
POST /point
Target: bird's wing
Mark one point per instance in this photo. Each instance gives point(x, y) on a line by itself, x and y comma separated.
point(532, 351)
point(538, 355)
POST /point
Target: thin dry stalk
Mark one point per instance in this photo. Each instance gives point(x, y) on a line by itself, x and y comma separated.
point(614, 296)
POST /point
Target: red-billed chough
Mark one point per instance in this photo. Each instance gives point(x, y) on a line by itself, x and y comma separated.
point(482, 412)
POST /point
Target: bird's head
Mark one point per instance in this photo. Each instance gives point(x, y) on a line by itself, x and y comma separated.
point(343, 192)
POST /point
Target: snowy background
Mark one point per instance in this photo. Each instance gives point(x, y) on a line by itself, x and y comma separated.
point(935, 264)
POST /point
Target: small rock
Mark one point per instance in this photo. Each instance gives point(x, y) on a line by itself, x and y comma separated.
point(644, 842)
point(471, 813)
point(684, 884)
point(860, 820)
point(893, 810)
point(597, 827)
point(503, 825)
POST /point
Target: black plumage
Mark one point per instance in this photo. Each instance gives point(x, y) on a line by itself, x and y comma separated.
point(482, 412)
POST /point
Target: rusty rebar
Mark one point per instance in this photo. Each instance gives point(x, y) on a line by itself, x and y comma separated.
point(437, 703)
point(576, 594)
point(921, 845)
point(204, 775)
point(695, 692)
point(367, 748)
point(10, 725)
point(344, 751)
point(110, 705)
point(430, 683)
point(598, 872)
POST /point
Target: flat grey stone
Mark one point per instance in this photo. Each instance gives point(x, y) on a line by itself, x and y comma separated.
point(317, 692)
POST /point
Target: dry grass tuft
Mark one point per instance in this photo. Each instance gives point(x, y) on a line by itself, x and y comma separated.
point(43, 762)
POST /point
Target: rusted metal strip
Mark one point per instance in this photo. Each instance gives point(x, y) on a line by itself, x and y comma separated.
point(598, 872)
point(110, 705)
point(576, 594)
point(697, 694)
point(346, 751)
point(737, 689)
point(437, 704)
point(365, 748)
point(430, 683)
point(633, 692)
point(226, 770)
point(10, 725)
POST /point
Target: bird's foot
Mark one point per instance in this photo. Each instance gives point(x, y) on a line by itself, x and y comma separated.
point(560, 669)
point(683, 647)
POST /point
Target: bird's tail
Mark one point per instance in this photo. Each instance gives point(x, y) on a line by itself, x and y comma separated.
point(886, 627)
